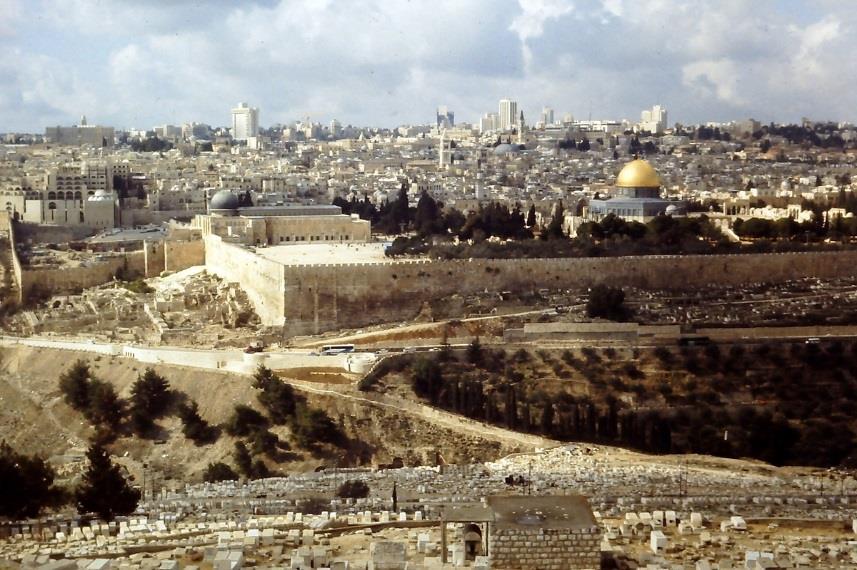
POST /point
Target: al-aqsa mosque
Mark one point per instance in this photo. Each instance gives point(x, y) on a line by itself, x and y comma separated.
point(636, 196)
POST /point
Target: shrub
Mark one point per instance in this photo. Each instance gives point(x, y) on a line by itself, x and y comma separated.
point(219, 472)
point(353, 489)
point(607, 303)
point(194, 427)
point(313, 426)
point(245, 421)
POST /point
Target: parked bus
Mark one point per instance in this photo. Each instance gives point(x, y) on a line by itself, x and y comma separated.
point(337, 349)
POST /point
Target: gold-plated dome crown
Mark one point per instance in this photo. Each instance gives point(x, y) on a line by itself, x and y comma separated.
point(638, 174)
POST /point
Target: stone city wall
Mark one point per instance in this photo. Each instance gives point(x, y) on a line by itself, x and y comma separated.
point(319, 298)
point(179, 255)
point(545, 549)
point(52, 281)
point(262, 279)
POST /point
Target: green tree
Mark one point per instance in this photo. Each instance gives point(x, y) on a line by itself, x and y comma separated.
point(277, 397)
point(74, 384)
point(475, 353)
point(427, 378)
point(312, 426)
point(353, 489)
point(245, 421)
point(243, 459)
point(607, 302)
point(151, 394)
point(26, 485)
point(105, 408)
point(554, 229)
point(219, 472)
point(427, 218)
point(194, 427)
point(104, 490)
point(531, 216)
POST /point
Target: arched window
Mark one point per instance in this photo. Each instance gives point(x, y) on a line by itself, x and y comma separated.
point(52, 206)
point(69, 195)
point(52, 195)
point(78, 195)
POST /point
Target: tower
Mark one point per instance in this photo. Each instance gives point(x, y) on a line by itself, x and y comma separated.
point(508, 114)
point(521, 138)
point(245, 122)
point(443, 156)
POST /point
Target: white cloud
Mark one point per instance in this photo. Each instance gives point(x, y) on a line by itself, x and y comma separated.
point(382, 62)
point(714, 78)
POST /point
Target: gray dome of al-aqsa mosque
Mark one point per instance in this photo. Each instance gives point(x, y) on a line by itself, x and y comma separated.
point(223, 201)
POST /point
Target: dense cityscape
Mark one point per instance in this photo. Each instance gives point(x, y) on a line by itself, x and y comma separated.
point(479, 329)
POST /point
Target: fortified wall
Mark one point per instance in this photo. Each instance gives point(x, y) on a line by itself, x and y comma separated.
point(318, 298)
point(262, 279)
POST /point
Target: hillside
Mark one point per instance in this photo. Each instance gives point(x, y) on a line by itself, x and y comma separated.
point(35, 418)
point(784, 403)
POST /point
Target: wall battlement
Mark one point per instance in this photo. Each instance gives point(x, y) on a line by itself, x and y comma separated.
point(308, 299)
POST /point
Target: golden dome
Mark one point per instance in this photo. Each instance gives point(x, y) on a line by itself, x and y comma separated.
point(638, 174)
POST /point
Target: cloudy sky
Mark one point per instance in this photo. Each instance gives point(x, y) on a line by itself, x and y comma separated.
point(136, 63)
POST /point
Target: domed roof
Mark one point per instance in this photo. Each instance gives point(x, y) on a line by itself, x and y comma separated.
point(506, 148)
point(638, 174)
point(223, 200)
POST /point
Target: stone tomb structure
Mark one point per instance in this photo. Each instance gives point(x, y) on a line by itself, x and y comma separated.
point(525, 533)
point(544, 533)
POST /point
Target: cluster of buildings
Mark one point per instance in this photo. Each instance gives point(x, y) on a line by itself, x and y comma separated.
point(85, 176)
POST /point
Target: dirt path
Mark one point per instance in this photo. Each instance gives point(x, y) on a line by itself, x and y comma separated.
point(435, 416)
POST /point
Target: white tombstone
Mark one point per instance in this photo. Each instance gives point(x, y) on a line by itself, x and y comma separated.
point(738, 523)
point(658, 518)
point(696, 520)
point(657, 541)
point(670, 518)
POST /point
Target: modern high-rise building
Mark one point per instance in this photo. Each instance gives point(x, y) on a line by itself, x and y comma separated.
point(245, 122)
point(654, 120)
point(489, 122)
point(547, 116)
point(445, 118)
point(508, 114)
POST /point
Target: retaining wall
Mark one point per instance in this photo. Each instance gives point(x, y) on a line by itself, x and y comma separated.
point(319, 298)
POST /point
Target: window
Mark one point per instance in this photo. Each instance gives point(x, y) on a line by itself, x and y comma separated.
point(52, 206)
point(52, 196)
point(78, 196)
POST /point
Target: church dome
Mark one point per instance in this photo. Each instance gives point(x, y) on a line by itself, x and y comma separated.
point(223, 200)
point(638, 174)
point(506, 148)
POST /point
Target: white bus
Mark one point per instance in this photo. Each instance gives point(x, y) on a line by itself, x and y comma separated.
point(329, 349)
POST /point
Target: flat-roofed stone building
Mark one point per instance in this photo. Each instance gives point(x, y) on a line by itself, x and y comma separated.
point(543, 533)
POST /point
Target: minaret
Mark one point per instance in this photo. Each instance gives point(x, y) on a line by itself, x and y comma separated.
point(83, 120)
point(443, 159)
point(521, 128)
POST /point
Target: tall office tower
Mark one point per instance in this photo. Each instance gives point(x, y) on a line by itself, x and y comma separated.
point(335, 128)
point(654, 120)
point(547, 116)
point(445, 118)
point(245, 122)
point(508, 114)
